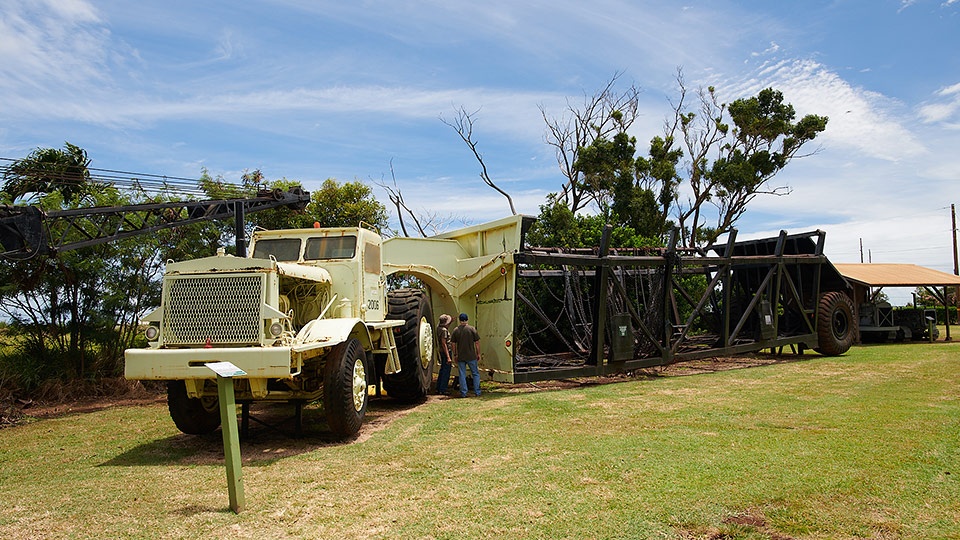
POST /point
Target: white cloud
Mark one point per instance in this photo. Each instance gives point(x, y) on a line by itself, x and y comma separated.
point(50, 44)
point(769, 50)
point(865, 121)
point(944, 110)
point(505, 112)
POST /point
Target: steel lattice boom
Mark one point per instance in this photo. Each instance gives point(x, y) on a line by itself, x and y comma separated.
point(26, 231)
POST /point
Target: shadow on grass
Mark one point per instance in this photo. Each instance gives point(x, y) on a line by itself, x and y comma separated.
point(711, 364)
point(271, 436)
point(196, 509)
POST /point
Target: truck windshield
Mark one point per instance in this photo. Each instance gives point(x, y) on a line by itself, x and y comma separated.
point(330, 247)
point(282, 249)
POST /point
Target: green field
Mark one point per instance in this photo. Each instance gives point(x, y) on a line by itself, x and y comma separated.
point(862, 446)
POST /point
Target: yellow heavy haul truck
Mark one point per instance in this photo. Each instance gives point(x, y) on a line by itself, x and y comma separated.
point(308, 315)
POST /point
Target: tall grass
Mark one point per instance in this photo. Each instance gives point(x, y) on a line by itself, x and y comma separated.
point(860, 446)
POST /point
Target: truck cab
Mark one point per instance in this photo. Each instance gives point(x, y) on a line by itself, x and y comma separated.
point(305, 317)
point(351, 256)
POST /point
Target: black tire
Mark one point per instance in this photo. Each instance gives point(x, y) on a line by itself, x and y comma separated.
point(835, 330)
point(416, 345)
point(901, 334)
point(191, 415)
point(345, 388)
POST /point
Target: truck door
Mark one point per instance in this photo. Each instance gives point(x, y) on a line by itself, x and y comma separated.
point(374, 281)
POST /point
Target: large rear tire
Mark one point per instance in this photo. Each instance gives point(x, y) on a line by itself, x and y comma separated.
point(345, 388)
point(192, 415)
point(835, 324)
point(415, 345)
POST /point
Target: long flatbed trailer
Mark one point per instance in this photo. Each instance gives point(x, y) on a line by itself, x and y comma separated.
point(547, 313)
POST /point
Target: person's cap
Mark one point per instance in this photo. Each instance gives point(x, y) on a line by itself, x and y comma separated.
point(463, 316)
point(445, 319)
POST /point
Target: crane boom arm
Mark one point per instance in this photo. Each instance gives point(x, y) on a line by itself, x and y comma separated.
point(26, 231)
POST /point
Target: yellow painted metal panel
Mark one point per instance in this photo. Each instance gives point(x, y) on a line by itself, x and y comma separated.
point(176, 364)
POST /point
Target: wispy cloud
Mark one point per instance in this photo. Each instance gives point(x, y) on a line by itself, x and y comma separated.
point(51, 43)
point(508, 113)
point(867, 121)
point(944, 107)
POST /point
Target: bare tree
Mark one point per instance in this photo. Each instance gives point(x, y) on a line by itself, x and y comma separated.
point(699, 133)
point(601, 115)
point(396, 198)
point(463, 125)
point(424, 222)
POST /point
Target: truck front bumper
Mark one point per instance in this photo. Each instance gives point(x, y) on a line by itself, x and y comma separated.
point(182, 364)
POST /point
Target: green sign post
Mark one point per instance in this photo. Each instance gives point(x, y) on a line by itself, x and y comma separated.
point(226, 371)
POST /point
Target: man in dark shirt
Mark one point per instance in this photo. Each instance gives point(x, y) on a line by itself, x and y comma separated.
point(466, 353)
point(446, 356)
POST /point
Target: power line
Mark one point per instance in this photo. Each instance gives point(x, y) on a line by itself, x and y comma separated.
point(147, 183)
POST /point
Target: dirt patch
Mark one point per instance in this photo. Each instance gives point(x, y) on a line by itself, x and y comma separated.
point(751, 523)
point(271, 434)
point(59, 399)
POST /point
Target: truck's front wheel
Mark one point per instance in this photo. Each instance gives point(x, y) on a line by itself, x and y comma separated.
point(345, 388)
point(414, 345)
point(192, 415)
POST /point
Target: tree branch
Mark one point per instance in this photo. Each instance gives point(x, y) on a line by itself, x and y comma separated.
point(463, 125)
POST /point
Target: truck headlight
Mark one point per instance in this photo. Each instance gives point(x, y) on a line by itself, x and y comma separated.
point(151, 332)
point(276, 329)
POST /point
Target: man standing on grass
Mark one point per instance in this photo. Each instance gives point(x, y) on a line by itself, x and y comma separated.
point(466, 352)
point(446, 356)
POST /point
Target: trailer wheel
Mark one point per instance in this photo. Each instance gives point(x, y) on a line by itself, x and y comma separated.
point(835, 329)
point(192, 415)
point(345, 388)
point(415, 345)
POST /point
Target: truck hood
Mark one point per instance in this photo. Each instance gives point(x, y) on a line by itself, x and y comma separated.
point(229, 263)
point(312, 273)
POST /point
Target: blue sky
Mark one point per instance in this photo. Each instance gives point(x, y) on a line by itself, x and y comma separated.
point(310, 90)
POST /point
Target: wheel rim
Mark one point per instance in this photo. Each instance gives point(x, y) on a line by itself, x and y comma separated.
point(839, 324)
point(359, 385)
point(426, 343)
point(210, 403)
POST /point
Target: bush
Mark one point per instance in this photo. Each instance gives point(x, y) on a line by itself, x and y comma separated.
point(941, 319)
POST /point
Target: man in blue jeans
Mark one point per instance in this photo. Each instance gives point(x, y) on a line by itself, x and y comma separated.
point(466, 352)
point(443, 340)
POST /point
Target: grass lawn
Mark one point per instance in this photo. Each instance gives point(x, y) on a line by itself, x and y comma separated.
point(866, 445)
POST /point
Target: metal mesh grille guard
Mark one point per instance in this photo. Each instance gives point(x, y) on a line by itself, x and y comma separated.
point(221, 309)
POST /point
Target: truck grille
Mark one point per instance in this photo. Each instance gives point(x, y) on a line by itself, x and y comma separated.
point(221, 309)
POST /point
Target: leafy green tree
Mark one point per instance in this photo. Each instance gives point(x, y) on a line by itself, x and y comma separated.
point(556, 225)
point(49, 170)
point(729, 152)
point(334, 204)
point(757, 142)
point(346, 205)
point(57, 301)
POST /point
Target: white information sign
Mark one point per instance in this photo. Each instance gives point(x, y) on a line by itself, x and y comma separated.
point(226, 369)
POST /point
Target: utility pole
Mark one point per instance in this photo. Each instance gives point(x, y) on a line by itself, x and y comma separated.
point(956, 267)
point(953, 231)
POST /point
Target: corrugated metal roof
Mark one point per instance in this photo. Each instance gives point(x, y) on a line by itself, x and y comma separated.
point(895, 275)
